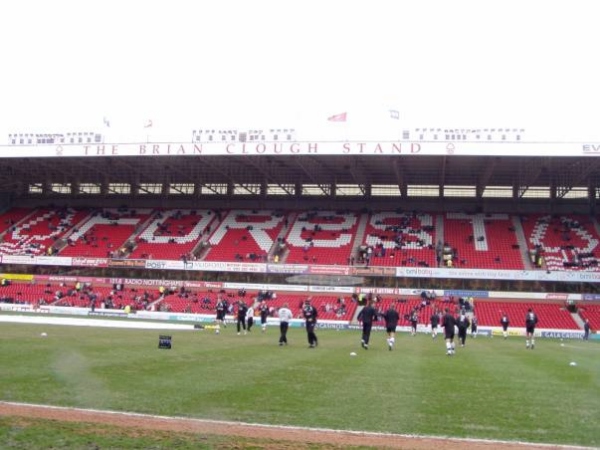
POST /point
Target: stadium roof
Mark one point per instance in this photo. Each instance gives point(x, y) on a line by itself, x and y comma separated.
point(291, 171)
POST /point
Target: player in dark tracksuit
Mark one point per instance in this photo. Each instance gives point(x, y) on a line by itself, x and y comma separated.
point(531, 321)
point(586, 330)
point(435, 321)
point(391, 318)
point(241, 316)
point(463, 325)
point(504, 322)
point(474, 326)
point(367, 316)
point(309, 312)
point(221, 311)
point(414, 321)
point(263, 309)
point(448, 323)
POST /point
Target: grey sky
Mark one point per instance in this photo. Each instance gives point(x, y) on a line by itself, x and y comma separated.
point(262, 64)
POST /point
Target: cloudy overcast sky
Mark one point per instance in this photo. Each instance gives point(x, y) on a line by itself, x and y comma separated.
point(243, 64)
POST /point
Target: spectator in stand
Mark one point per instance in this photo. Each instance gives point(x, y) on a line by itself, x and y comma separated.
point(505, 322)
point(391, 318)
point(367, 316)
point(531, 321)
point(586, 330)
point(285, 315)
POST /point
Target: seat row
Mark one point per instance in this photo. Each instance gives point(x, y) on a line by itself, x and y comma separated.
point(552, 315)
point(386, 238)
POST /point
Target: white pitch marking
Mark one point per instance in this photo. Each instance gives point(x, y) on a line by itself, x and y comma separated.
point(72, 321)
point(295, 428)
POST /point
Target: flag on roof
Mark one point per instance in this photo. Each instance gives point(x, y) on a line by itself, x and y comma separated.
point(337, 118)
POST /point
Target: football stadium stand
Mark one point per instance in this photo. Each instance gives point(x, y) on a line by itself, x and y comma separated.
point(384, 238)
point(244, 235)
point(172, 234)
point(563, 242)
point(591, 312)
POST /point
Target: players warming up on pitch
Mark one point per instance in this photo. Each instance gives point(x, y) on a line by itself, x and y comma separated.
point(367, 316)
point(474, 326)
point(586, 330)
point(504, 322)
point(463, 325)
point(531, 321)
point(241, 316)
point(309, 312)
point(250, 317)
point(434, 320)
point(285, 315)
point(391, 318)
point(263, 310)
point(448, 323)
point(221, 308)
point(414, 320)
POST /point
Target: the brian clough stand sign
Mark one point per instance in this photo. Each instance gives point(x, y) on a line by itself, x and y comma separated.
point(372, 148)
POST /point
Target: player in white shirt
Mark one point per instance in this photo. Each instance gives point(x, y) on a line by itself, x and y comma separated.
point(285, 315)
point(250, 317)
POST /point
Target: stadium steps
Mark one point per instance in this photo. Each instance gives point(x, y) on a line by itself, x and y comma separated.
point(16, 224)
point(155, 305)
point(18, 218)
point(202, 247)
point(64, 240)
point(360, 233)
point(439, 229)
point(595, 224)
point(578, 320)
point(139, 229)
point(354, 320)
point(520, 235)
point(291, 218)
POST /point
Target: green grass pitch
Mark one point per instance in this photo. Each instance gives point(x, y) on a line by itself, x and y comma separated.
point(492, 389)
